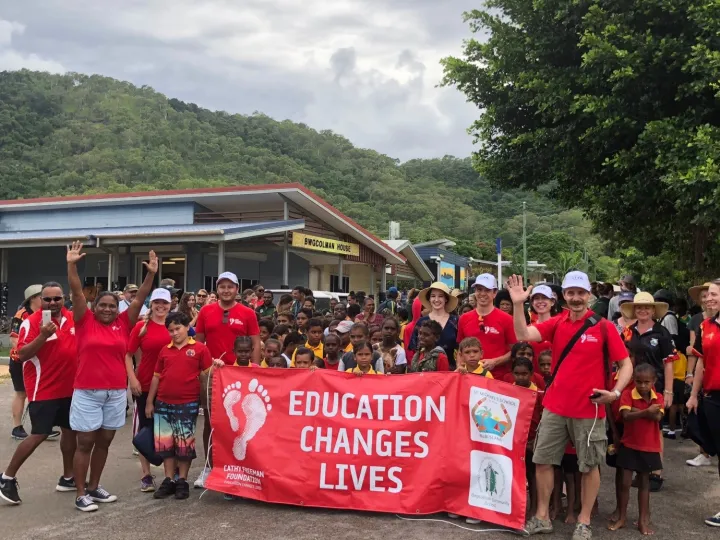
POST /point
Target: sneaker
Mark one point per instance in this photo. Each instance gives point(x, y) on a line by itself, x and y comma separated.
point(473, 521)
point(453, 516)
point(9, 490)
point(54, 435)
point(147, 484)
point(535, 525)
point(166, 489)
point(135, 452)
point(85, 504)
point(200, 482)
point(700, 460)
point(582, 532)
point(18, 433)
point(65, 484)
point(182, 489)
point(670, 435)
point(713, 521)
point(228, 497)
point(100, 495)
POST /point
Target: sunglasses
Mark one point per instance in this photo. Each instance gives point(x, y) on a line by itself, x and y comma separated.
point(261, 291)
point(49, 299)
point(481, 323)
point(202, 295)
point(226, 316)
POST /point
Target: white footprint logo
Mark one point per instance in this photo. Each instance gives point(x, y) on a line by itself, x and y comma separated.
point(231, 397)
point(255, 406)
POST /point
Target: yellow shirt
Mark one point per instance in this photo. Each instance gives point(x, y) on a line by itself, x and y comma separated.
point(358, 370)
point(680, 367)
point(349, 347)
point(531, 387)
point(479, 371)
point(317, 351)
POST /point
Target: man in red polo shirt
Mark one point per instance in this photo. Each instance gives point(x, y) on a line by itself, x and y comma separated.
point(218, 326)
point(49, 358)
point(494, 328)
point(575, 400)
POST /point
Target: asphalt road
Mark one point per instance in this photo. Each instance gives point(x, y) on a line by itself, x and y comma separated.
point(677, 512)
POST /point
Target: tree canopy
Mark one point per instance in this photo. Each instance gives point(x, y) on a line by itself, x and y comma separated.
point(613, 107)
point(75, 134)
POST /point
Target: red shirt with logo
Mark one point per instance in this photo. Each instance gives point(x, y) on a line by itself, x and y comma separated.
point(150, 344)
point(179, 370)
point(584, 367)
point(51, 372)
point(707, 346)
point(101, 352)
point(221, 327)
point(539, 347)
point(495, 332)
point(641, 434)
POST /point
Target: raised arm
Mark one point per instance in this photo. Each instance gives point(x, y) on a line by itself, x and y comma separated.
point(137, 304)
point(79, 303)
point(519, 295)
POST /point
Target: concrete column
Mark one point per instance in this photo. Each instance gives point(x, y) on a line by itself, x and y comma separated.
point(286, 256)
point(372, 280)
point(4, 259)
point(340, 275)
point(111, 266)
point(221, 257)
point(383, 279)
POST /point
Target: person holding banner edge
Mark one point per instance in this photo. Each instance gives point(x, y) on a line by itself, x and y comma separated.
point(584, 346)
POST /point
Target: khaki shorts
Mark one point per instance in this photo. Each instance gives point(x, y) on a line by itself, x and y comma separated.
point(555, 431)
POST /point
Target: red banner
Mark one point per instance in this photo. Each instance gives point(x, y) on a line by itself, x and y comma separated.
point(407, 444)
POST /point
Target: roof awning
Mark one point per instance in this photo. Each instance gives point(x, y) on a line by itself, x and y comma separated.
point(111, 236)
point(414, 260)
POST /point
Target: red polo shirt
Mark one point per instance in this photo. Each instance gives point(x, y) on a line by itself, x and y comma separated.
point(179, 369)
point(495, 332)
point(583, 369)
point(50, 374)
point(150, 344)
point(707, 346)
point(221, 329)
point(101, 352)
point(641, 434)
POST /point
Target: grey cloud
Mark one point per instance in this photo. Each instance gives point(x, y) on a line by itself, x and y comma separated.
point(343, 62)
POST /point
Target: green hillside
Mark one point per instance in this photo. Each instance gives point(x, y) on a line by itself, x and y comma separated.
point(72, 134)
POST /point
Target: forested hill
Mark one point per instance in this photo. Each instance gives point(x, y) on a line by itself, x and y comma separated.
point(72, 134)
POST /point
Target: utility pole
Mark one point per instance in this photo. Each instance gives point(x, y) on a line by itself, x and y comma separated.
point(525, 274)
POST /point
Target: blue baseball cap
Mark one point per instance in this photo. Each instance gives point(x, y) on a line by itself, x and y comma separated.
point(626, 296)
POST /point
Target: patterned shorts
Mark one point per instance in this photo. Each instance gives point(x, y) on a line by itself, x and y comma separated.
point(175, 430)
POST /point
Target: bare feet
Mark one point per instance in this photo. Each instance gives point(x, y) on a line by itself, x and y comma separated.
point(645, 529)
point(612, 518)
point(553, 513)
point(619, 524)
point(570, 519)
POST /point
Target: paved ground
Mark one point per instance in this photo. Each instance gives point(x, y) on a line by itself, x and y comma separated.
point(678, 511)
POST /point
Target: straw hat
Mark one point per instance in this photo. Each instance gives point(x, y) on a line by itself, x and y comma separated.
point(424, 297)
point(644, 299)
point(695, 291)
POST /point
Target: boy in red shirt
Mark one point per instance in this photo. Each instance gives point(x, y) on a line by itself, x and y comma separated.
point(641, 410)
point(173, 402)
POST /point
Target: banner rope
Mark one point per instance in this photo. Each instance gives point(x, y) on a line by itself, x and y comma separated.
point(209, 450)
point(511, 531)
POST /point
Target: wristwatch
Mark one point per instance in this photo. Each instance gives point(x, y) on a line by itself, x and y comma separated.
point(617, 393)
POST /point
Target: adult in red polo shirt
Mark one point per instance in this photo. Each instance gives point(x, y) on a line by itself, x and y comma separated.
point(570, 414)
point(542, 305)
point(218, 325)
point(707, 377)
point(48, 356)
point(494, 328)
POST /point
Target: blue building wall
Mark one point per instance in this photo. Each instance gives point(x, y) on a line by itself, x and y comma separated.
point(107, 216)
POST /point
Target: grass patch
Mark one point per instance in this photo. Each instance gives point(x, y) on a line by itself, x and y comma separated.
point(4, 351)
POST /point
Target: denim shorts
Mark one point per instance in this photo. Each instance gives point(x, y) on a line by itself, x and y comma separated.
point(94, 409)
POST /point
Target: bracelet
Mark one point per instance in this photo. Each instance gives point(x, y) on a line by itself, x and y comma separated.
point(668, 392)
point(689, 375)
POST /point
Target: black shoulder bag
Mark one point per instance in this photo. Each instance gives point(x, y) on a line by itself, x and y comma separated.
point(589, 323)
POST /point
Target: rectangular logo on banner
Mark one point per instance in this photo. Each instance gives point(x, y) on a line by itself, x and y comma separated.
point(387, 444)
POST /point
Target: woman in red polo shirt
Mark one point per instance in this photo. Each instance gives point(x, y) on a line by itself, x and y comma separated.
point(542, 308)
point(100, 395)
point(707, 377)
point(149, 336)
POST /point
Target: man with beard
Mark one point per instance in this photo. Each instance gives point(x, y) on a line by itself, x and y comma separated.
point(584, 346)
point(218, 326)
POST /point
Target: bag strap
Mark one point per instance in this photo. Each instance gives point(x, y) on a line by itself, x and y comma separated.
point(589, 322)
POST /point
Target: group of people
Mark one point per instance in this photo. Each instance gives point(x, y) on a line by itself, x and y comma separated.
point(595, 378)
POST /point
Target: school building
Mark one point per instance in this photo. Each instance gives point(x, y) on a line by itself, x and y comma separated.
point(280, 235)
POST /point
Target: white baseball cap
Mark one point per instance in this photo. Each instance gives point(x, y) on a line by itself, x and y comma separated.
point(576, 279)
point(229, 276)
point(161, 294)
point(543, 290)
point(486, 280)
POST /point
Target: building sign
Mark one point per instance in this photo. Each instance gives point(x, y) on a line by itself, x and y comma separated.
point(328, 245)
point(447, 274)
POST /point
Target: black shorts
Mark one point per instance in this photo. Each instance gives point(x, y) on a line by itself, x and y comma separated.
point(678, 392)
point(711, 422)
point(142, 420)
point(16, 374)
point(569, 464)
point(638, 461)
point(46, 414)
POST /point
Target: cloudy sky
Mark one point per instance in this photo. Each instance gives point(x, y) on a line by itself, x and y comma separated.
point(366, 69)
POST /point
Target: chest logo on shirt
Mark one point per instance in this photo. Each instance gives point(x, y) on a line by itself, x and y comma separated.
point(190, 352)
point(491, 330)
point(115, 328)
point(236, 321)
point(585, 338)
point(654, 342)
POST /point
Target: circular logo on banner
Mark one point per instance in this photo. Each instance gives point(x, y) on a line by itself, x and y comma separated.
point(491, 479)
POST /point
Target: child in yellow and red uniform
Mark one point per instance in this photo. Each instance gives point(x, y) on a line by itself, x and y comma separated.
point(470, 356)
point(176, 385)
point(639, 451)
point(363, 353)
point(243, 350)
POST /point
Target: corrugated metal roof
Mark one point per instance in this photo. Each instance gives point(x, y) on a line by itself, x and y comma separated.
point(205, 229)
point(406, 248)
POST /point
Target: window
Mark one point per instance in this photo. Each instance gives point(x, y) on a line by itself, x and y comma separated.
point(209, 283)
point(334, 284)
